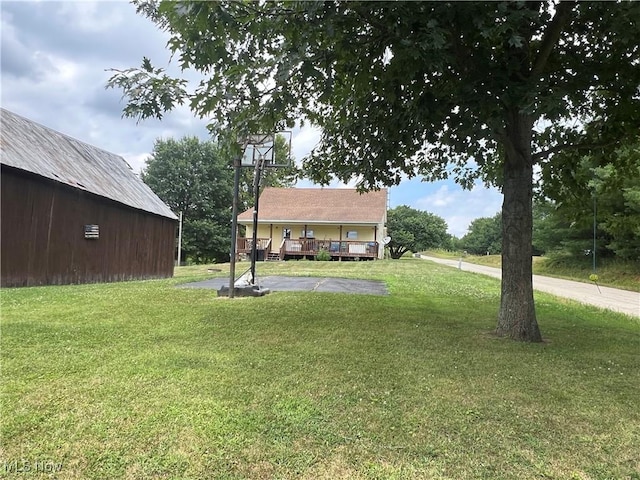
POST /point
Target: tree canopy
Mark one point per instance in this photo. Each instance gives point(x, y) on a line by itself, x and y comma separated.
point(484, 236)
point(463, 89)
point(414, 230)
point(194, 178)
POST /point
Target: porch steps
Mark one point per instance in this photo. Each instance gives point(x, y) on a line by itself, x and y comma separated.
point(273, 257)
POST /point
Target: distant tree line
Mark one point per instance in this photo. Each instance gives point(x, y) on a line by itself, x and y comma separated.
point(603, 186)
point(601, 189)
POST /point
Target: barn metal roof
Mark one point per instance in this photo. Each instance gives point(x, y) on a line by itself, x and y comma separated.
point(32, 147)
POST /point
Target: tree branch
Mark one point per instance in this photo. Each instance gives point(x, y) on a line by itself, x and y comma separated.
point(551, 36)
point(570, 146)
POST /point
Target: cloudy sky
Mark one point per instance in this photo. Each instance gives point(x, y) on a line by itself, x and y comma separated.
point(55, 58)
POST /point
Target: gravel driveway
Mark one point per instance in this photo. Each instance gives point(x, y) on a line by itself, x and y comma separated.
point(623, 301)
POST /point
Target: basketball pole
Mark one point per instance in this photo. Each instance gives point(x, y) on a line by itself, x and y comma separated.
point(256, 192)
point(234, 226)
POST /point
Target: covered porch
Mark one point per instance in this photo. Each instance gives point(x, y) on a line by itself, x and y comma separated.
point(308, 248)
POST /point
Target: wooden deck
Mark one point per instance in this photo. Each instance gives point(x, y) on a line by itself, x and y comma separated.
point(309, 248)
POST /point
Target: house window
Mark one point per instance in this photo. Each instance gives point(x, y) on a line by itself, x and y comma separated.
point(352, 235)
point(307, 233)
point(286, 233)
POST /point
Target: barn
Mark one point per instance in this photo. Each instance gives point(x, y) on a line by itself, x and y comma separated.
point(74, 213)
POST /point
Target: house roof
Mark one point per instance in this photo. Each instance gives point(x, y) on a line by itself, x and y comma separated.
point(319, 205)
point(34, 148)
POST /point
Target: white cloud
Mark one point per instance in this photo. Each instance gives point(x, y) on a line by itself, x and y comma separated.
point(303, 141)
point(55, 57)
point(88, 17)
point(136, 161)
point(458, 224)
point(442, 197)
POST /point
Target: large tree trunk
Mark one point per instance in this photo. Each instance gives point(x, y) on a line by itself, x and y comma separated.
point(517, 316)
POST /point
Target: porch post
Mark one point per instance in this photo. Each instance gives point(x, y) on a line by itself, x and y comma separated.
point(270, 237)
point(375, 239)
point(305, 245)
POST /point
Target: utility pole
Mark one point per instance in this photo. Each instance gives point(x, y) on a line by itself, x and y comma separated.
point(180, 240)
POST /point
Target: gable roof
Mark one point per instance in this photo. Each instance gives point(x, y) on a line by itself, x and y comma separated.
point(34, 148)
point(319, 205)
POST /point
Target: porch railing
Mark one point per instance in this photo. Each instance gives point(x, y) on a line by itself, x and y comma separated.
point(244, 245)
point(309, 247)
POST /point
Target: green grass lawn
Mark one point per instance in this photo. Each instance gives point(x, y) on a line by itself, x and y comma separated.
point(142, 380)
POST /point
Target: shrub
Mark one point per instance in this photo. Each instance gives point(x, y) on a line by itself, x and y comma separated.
point(323, 256)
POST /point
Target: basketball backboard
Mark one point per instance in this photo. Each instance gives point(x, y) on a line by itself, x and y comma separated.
point(263, 147)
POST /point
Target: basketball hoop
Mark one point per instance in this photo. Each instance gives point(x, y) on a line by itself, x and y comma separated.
point(261, 147)
point(258, 152)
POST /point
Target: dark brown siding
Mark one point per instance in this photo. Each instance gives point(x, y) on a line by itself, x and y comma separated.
point(43, 242)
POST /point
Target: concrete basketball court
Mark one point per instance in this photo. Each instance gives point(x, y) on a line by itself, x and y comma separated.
point(304, 284)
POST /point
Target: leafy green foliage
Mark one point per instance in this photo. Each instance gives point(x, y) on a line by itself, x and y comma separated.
point(194, 178)
point(555, 229)
point(606, 183)
point(400, 87)
point(323, 256)
point(484, 236)
point(148, 89)
point(414, 230)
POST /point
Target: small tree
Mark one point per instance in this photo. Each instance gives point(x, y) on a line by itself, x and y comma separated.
point(414, 230)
